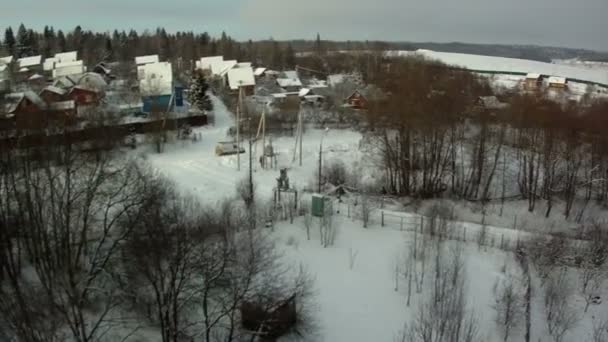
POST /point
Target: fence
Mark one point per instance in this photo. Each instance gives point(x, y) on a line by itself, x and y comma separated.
point(483, 235)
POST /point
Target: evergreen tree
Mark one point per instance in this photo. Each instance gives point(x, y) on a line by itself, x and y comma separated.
point(61, 42)
point(318, 45)
point(48, 42)
point(24, 47)
point(109, 49)
point(290, 57)
point(198, 96)
point(9, 40)
point(277, 56)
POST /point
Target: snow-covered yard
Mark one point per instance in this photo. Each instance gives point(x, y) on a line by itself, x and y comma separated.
point(356, 296)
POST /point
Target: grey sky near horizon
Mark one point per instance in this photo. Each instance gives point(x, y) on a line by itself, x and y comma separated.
point(565, 23)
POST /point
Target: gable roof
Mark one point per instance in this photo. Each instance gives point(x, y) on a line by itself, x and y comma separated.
point(240, 77)
point(289, 82)
point(3, 67)
point(64, 57)
point(54, 89)
point(533, 76)
point(225, 67)
point(16, 98)
point(6, 60)
point(206, 63)
point(303, 92)
point(35, 77)
point(29, 61)
point(259, 71)
point(557, 80)
point(65, 82)
point(141, 60)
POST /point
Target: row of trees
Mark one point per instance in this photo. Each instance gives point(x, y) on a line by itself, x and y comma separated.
point(435, 138)
point(94, 47)
point(94, 248)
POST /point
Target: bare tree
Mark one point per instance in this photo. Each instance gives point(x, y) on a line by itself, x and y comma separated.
point(66, 232)
point(366, 210)
point(600, 330)
point(509, 305)
point(560, 316)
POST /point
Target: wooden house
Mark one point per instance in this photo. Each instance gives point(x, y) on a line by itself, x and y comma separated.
point(84, 96)
point(53, 94)
point(533, 81)
point(28, 110)
point(558, 82)
point(356, 100)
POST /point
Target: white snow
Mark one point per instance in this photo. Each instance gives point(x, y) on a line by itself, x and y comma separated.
point(66, 57)
point(501, 64)
point(155, 78)
point(29, 61)
point(358, 304)
point(240, 77)
point(142, 60)
point(207, 63)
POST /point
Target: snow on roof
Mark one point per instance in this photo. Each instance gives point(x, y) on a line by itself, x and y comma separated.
point(64, 57)
point(289, 74)
point(279, 95)
point(289, 82)
point(501, 64)
point(156, 79)
point(6, 60)
point(62, 105)
point(3, 67)
point(141, 60)
point(49, 64)
point(225, 67)
point(29, 61)
point(334, 80)
point(65, 81)
point(259, 71)
point(93, 80)
point(240, 77)
point(55, 90)
point(303, 92)
point(30, 95)
point(243, 65)
point(557, 80)
point(68, 68)
point(533, 76)
point(35, 77)
point(68, 64)
point(206, 63)
point(24, 70)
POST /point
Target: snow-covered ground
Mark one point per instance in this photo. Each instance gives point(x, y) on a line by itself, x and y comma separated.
point(358, 303)
point(501, 64)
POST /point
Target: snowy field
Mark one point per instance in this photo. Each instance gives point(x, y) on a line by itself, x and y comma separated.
point(489, 63)
point(358, 295)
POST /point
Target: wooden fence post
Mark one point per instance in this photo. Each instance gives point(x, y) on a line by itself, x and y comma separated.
point(382, 218)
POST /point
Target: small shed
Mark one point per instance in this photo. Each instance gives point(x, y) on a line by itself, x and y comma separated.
point(558, 82)
point(533, 81)
point(225, 148)
point(356, 100)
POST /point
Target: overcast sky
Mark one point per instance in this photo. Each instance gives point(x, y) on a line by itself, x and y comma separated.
point(568, 23)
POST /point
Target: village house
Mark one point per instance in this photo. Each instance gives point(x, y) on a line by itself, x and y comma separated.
point(156, 86)
point(356, 101)
point(27, 67)
point(27, 109)
point(206, 64)
point(242, 78)
point(533, 81)
point(75, 68)
point(53, 94)
point(558, 82)
point(289, 81)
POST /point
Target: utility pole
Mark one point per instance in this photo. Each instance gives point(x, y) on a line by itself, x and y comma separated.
point(321, 157)
point(250, 159)
point(238, 137)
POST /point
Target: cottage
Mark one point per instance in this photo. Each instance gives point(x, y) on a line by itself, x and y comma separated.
point(53, 94)
point(558, 82)
point(28, 109)
point(289, 81)
point(221, 69)
point(84, 96)
point(533, 81)
point(356, 101)
point(242, 78)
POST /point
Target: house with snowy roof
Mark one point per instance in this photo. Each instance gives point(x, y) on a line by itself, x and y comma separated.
point(156, 85)
point(557, 82)
point(241, 78)
point(289, 81)
point(74, 68)
point(207, 64)
point(143, 60)
point(533, 81)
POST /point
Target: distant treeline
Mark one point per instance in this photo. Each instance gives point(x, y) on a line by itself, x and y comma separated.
point(123, 45)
